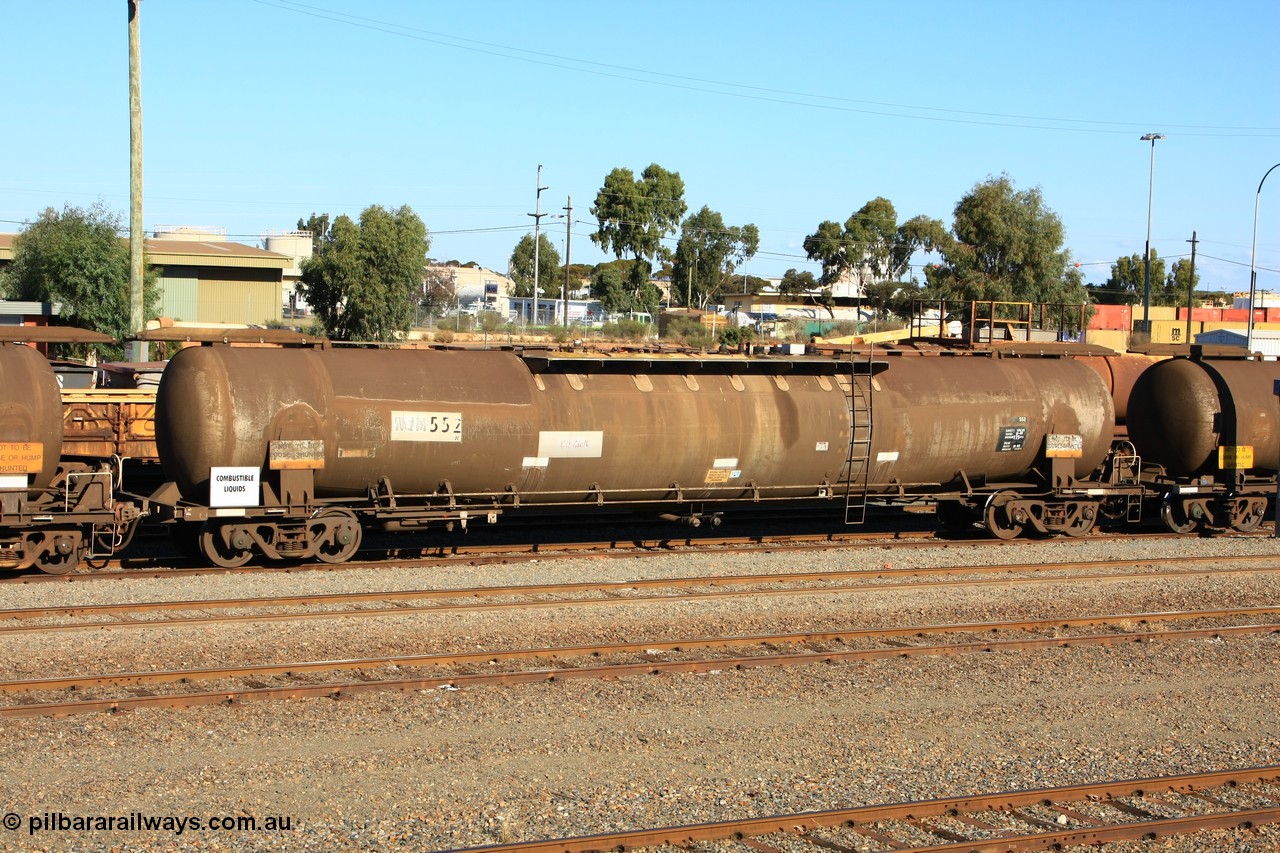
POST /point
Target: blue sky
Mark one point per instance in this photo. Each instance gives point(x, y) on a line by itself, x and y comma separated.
point(258, 112)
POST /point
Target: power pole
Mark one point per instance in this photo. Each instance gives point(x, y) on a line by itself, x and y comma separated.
point(568, 236)
point(1191, 284)
point(136, 236)
point(537, 221)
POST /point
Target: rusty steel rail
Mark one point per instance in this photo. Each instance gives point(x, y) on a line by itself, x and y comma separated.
point(610, 671)
point(607, 589)
point(479, 555)
point(80, 682)
point(604, 587)
point(965, 823)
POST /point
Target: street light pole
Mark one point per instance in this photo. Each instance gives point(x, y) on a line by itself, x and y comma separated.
point(1146, 258)
point(1253, 270)
point(537, 221)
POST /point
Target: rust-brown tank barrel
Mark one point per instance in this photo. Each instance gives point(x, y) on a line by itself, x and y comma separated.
point(992, 417)
point(553, 430)
point(1181, 410)
point(1119, 372)
point(30, 418)
point(485, 422)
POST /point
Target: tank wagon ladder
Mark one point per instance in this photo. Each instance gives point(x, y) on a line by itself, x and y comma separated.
point(858, 460)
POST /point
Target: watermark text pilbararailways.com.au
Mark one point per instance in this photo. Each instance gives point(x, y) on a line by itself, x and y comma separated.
point(175, 824)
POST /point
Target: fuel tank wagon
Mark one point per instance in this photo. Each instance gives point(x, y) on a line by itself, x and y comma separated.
point(54, 512)
point(30, 419)
point(291, 453)
point(1210, 429)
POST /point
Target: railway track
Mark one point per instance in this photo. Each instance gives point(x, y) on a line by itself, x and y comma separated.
point(153, 614)
point(1040, 819)
point(493, 553)
point(454, 670)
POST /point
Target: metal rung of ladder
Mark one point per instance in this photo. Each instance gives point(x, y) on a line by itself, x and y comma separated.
point(858, 462)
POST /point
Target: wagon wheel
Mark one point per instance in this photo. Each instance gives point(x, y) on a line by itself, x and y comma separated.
point(1247, 513)
point(216, 548)
point(336, 533)
point(1086, 516)
point(1174, 516)
point(61, 553)
point(997, 517)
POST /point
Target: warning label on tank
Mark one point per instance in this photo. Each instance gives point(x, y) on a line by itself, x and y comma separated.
point(21, 457)
point(1063, 445)
point(426, 426)
point(295, 454)
point(1235, 457)
point(1011, 438)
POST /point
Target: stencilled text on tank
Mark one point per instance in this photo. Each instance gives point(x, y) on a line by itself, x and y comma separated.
point(426, 426)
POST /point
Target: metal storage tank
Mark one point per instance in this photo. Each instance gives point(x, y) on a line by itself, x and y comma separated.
point(296, 244)
point(482, 422)
point(631, 429)
point(30, 418)
point(1119, 373)
point(936, 417)
point(1182, 410)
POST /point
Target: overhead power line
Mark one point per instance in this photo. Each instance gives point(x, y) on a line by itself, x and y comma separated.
point(750, 92)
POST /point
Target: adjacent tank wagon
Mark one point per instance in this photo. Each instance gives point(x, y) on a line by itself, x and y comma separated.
point(55, 512)
point(1208, 430)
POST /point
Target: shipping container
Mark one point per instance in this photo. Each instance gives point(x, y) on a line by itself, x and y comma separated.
point(1201, 314)
point(1111, 317)
point(1116, 339)
point(1173, 331)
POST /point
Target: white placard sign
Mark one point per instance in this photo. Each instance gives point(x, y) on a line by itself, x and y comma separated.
point(233, 486)
point(571, 445)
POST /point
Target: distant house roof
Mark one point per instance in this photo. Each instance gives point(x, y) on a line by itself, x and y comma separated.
point(192, 253)
point(214, 254)
point(1265, 341)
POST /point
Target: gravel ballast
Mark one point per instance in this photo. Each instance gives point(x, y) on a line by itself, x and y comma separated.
point(445, 768)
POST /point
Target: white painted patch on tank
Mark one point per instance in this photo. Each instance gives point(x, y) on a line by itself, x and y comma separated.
point(571, 444)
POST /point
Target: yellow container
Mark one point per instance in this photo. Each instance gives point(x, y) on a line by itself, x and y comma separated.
point(1116, 339)
point(1173, 331)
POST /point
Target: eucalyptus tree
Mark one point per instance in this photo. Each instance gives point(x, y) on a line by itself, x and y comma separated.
point(520, 266)
point(1008, 246)
point(871, 246)
point(707, 255)
point(77, 257)
point(634, 215)
point(365, 280)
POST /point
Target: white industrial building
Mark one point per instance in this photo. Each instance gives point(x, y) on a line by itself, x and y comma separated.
point(1265, 341)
